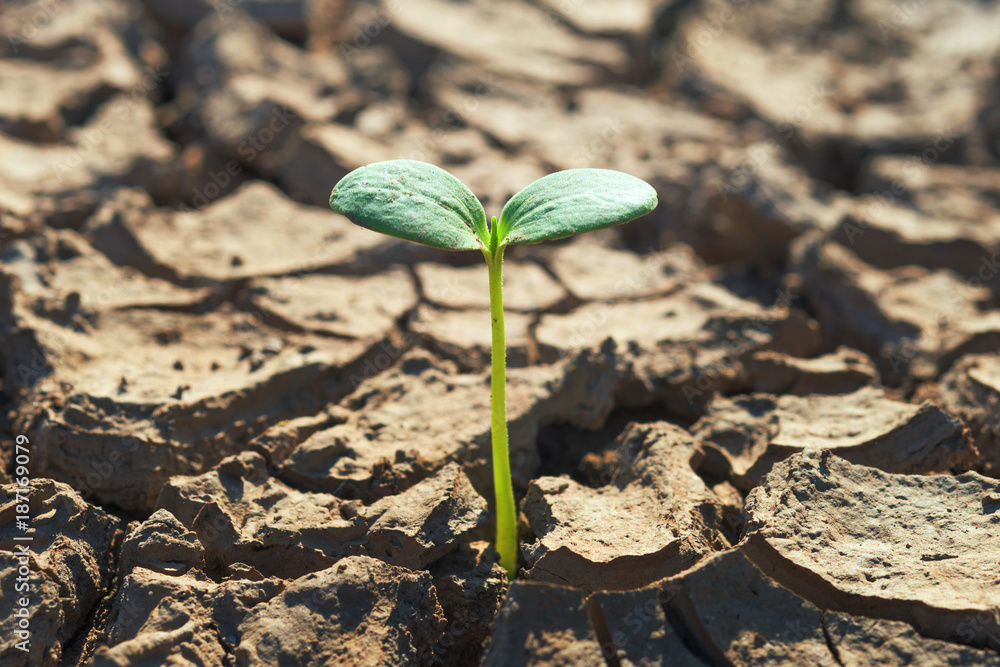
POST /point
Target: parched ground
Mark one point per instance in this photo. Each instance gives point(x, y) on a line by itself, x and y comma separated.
point(759, 426)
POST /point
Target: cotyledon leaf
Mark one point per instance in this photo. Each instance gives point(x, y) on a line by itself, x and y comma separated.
point(572, 201)
point(415, 201)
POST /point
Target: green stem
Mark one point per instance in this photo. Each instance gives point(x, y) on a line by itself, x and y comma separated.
point(506, 515)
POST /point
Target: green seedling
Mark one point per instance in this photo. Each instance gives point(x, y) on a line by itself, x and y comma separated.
point(419, 202)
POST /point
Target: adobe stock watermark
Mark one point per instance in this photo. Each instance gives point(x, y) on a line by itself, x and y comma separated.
point(122, 106)
point(627, 287)
point(23, 537)
point(557, 16)
point(733, 353)
point(760, 154)
point(904, 351)
point(914, 166)
point(981, 626)
point(637, 626)
point(600, 145)
point(41, 17)
point(385, 355)
point(36, 366)
point(454, 119)
point(249, 150)
point(901, 14)
point(711, 27)
point(363, 35)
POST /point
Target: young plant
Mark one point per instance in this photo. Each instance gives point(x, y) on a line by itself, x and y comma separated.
point(419, 202)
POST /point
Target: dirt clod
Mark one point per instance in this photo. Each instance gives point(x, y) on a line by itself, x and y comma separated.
point(543, 624)
point(747, 435)
point(810, 526)
point(62, 556)
point(361, 610)
point(654, 519)
point(971, 390)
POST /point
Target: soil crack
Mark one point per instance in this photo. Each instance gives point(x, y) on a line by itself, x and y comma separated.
point(595, 614)
point(834, 651)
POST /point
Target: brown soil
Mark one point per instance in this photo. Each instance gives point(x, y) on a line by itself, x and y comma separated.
point(759, 426)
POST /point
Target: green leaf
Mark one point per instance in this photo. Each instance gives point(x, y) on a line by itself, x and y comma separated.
point(572, 201)
point(415, 201)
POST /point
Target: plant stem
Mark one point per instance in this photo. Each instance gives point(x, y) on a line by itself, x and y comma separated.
point(506, 516)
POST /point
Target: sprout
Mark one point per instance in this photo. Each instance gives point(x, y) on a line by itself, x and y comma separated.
point(419, 202)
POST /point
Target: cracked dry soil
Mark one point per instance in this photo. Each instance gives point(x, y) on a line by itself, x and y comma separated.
point(760, 426)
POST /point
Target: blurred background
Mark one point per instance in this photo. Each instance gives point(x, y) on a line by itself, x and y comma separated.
point(754, 119)
point(175, 158)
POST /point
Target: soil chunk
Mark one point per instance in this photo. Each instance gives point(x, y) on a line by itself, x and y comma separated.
point(149, 642)
point(161, 543)
point(63, 571)
point(734, 614)
point(403, 423)
point(971, 390)
point(61, 277)
point(360, 607)
point(855, 639)
point(941, 190)
point(360, 610)
point(840, 372)
point(197, 245)
point(255, 104)
point(633, 628)
point(242, 514)
point(420, 525)
point(749, 434)
point(595, 272)
point(680, 349)
point(765, 200)
point(873, 84)
point(470, 586)
point(349, 307)
point(731, 612)
point(543, 624)
point(549, 51)
point(886, 313)
point(935, 215)
point(64, 180)
point(58, 66)
point(160, 618)
point(161, 421)
point(655, 519)
point(912, 548)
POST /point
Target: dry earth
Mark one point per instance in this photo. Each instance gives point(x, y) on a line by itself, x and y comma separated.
point(759, 426)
